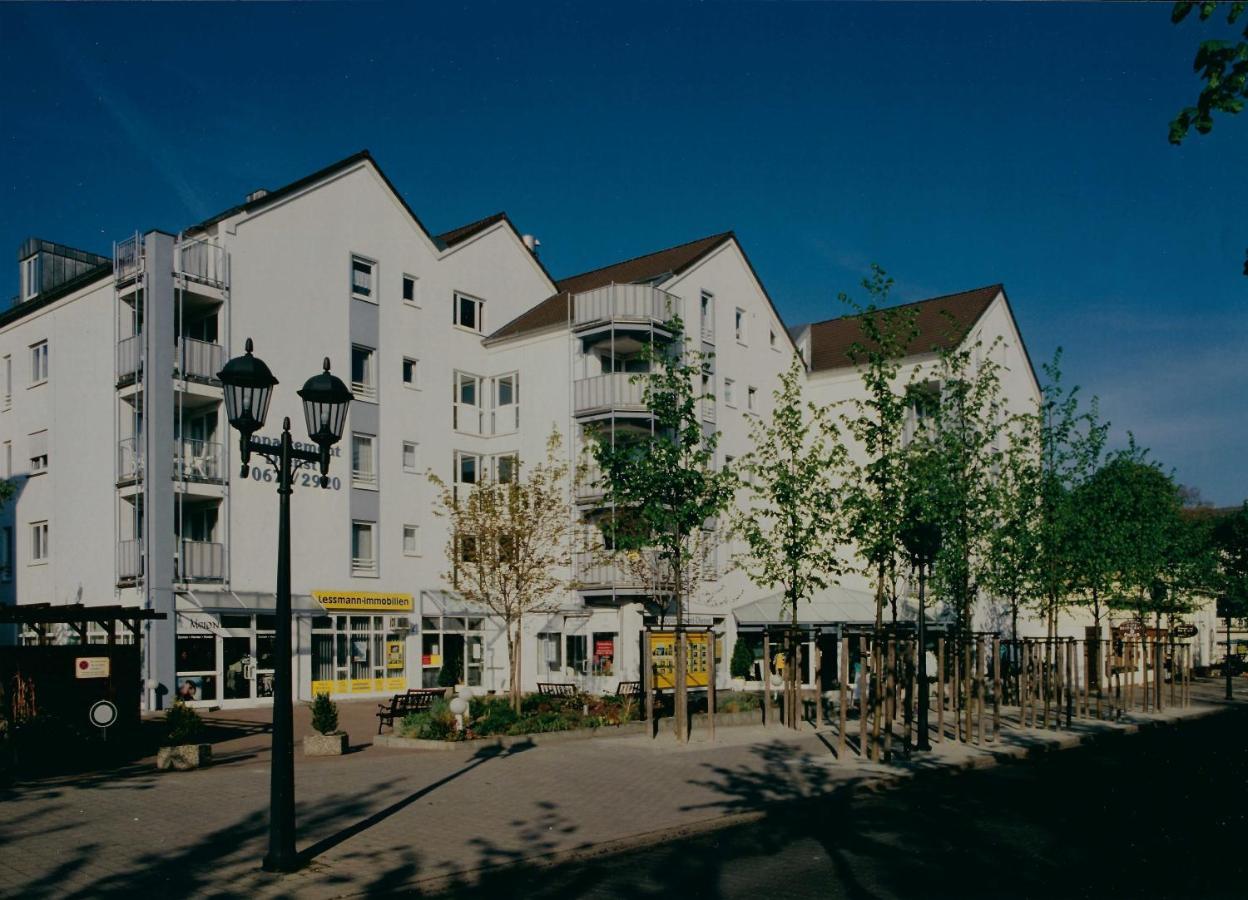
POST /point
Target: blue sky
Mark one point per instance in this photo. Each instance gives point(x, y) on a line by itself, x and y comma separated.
point(957, 145)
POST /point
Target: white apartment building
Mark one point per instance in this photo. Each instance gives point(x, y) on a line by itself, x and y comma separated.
point(463, 353)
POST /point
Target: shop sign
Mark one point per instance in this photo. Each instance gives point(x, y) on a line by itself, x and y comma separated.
point(1185, 630)
point(394, 654)
point(188, 623)
point(91, 667)
point(363, 601)
point(604, 648)
point(663, 653)
point(360, 685)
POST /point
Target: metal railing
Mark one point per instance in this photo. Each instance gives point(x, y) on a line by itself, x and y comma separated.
point(129, 356)
point(203, 261)
point(201, 561)
point(198, 360)
point(616, 390)
point(629, 303)
point(589, 482)
point(363, 566)
point(591, 570)
point(197, 460)
point(129, 460)
point(127, 258)
point(362, 391)
point(129, 560)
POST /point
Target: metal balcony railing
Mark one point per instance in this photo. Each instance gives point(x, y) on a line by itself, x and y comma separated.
point(708, 410)
point(198, 360)
point(364, 565)
point(613, 391)
point(201, 561)
point(196, 460)
point(129, 357)
point(625, 304)
point(129, 461)
point(592, 571)
point(203, 261)
point(127, 258)
point(129, 560)
point(589, 483)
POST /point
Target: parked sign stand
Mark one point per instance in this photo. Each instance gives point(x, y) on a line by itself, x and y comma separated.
point(103, 714)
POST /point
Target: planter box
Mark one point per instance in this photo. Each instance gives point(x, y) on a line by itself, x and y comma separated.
point(183, 757)
point(325, 744)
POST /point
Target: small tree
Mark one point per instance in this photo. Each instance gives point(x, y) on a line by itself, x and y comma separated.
point(664, 487)
point(742, 663)
point(509, 541)
point(793, 522)
point(324, 714)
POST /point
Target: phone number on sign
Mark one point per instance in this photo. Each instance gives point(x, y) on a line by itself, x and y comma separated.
point(303, 479)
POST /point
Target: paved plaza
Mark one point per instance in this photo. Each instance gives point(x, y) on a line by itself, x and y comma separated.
point(382, 819)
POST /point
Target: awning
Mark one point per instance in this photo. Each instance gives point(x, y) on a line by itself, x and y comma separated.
point(831, 606)
point(446, 603)
point(242, 601)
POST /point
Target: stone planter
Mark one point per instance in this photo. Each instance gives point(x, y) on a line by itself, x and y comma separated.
point(183, 757)
point(325, 744)
point(738, 684)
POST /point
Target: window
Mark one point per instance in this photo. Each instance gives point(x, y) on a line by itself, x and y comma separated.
point(466, 412)
point(409, 373)
point(411, 540)
point(751, 399)
point(578, 652)
point(363, 461)
point(740, 326)
point(38, 452)
point(363, 549)
point(708, 316)
point(410, 290)
point(468, 548)
point(39, 362)
point(771, 339)
point(363, 373)
point(30, 277)
point(39, 550)
point(505, 467)
point(730, 392)
point(549, 651)
point(362, 278)
point(506, 403)
point(6, 373)
point(468, 312)
point(410, 458)
point(6, 553)
point(467, 473)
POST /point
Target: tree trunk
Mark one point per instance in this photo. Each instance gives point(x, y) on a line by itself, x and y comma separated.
point(681, 688)
point(515, 651)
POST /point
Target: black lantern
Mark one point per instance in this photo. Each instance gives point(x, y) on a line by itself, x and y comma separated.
point(248, 387)
point(325, 401)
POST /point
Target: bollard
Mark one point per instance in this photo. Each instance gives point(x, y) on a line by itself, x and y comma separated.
point(844, 667)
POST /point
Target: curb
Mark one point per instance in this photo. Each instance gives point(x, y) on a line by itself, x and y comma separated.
point(397, 742)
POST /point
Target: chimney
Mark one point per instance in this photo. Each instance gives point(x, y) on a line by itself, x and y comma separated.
point(257, 194)
point(531, 242)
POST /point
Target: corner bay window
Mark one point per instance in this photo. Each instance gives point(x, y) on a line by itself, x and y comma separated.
point(454, 643)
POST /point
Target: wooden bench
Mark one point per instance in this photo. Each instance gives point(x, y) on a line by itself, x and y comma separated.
point(415, 700)
point(547, 689)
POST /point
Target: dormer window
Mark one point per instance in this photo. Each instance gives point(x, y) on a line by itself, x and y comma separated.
point(30, 277)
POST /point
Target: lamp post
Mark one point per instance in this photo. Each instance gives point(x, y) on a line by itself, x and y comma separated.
point(922, 541)
point(248, 387)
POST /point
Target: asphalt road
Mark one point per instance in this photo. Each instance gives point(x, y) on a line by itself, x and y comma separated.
point(1159, 814)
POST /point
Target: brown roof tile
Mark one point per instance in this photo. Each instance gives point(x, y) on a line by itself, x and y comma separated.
point(661, 264)
point(463, 232)
point(830, 341)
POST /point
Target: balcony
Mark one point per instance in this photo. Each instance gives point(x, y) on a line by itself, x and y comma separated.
point(127, 258)
point(193, 460)
point(628, 305)
point(203, 262)
point(589, 484)
point(201, 561)
point(593, 572)
point(129, 358)
point(193, 360)
point(129, 561)
point(708, 409)
point(604, 394)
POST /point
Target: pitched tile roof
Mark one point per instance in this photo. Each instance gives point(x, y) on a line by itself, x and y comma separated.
point(463, 232)
point(660, 265)
point(830, 341)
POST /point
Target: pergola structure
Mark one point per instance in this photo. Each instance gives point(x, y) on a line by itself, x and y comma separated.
point(77, 616)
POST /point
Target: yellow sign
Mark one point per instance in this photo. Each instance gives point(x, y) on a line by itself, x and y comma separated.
point(663, 653)
point(394, 654)
point(359, 686)
point(363, 601)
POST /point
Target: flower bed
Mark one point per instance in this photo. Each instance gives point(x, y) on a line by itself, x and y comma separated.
point(539, 714)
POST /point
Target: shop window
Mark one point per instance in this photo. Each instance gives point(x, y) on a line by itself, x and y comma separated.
point(578, 652)
point(197, 667)
point(549, 652)
point(603, 661)
point(358, 654)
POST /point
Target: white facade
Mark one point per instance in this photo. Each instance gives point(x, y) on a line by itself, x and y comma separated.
point(476, 355)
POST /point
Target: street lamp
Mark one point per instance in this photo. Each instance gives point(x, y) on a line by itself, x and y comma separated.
point(248, 385)
point(922, 541)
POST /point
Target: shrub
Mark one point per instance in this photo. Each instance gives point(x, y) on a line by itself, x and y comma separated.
point(182, 725)
point(742, 663)
point(435, 724)
point(737, 701)
point(325, 714)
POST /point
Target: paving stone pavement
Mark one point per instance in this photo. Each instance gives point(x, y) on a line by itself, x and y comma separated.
point(380, 819)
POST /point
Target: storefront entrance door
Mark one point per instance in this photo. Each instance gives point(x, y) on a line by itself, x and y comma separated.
point(239, 668)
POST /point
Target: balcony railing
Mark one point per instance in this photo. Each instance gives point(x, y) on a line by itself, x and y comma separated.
point(624, 303)
point(201, 561)
point(364, 565)
point(589, 483)
point(198, 360)
point(198, 461)
point(127, 258)
point(601, 393)
point(592, 571)
point(129, 357)
point(129, 560)
point(362, 391)
point(129, 461)
point(203, 261)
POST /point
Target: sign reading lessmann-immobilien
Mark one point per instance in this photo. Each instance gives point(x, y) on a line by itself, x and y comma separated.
point(363, 601)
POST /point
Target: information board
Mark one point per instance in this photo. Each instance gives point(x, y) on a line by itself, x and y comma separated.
point(663, 652)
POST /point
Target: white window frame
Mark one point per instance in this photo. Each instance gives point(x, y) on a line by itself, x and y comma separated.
point(414, 532)
point(480, 313)
point(415, 298)
point(366, 292)
point(506, 416)
point(468, 418)
point(741, 327)
point(40, 548)
point(6, 370)
point(706, 315)
point(414, 468)
point(364, 566)
point(494, 466)
point(38, 461)
point(38, 363)
point(730, 393)
point(751, 399)
point(30, 277)
point(458, 456)
point(545, 641)
point(362, 478)
point(414, 384)
point(365, 390)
